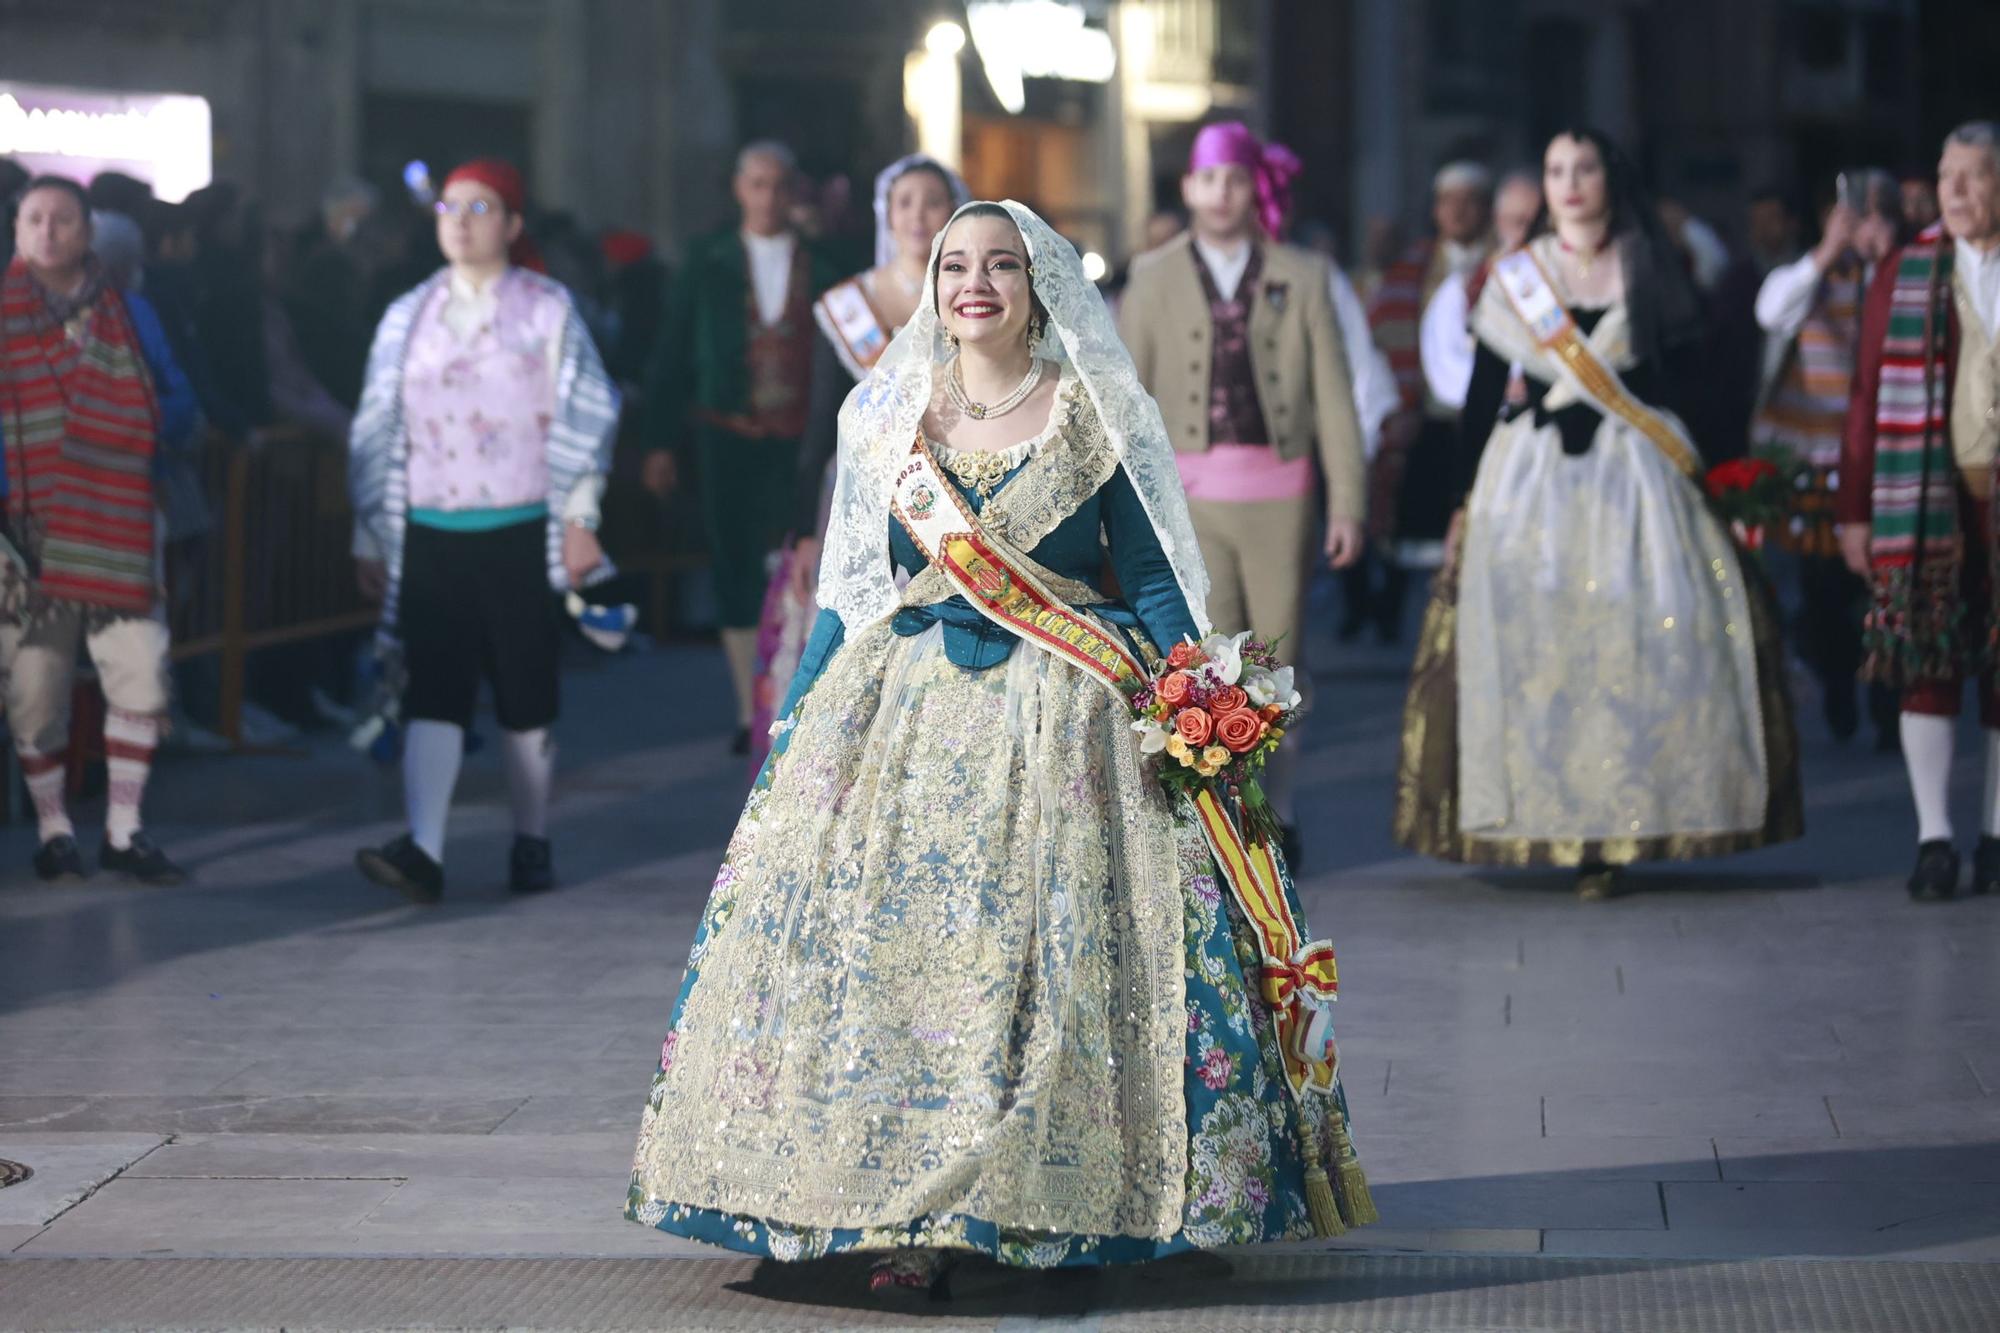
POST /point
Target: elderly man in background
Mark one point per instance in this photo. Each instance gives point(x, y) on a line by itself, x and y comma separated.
point(1444, 340)
point(726, 398)
point(1409, 496)
point(1915, 504)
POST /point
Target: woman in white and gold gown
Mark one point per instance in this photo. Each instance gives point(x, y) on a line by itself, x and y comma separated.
point(1600, 678)
point(964, 982)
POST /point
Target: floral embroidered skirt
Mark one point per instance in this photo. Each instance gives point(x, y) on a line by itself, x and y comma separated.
point(964, 982)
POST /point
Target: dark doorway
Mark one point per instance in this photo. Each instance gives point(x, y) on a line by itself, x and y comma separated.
point(398, 128)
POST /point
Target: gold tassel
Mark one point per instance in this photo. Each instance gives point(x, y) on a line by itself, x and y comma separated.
point(1321, 1206)
point(1354, 1193)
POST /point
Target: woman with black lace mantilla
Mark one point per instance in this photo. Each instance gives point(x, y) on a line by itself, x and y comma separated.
point(1600, 678)
point(964, 983)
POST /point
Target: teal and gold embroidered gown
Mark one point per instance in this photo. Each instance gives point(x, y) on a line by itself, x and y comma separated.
point(963, 981)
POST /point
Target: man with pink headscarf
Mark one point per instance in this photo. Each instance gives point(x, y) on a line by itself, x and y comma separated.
point(1237, 337)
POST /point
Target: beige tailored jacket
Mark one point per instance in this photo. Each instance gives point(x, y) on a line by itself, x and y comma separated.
point(1295, 352)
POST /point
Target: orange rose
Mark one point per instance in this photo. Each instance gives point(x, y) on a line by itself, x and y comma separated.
point(1183, 655)
point(1240, 729)
point(1227, 700)
point(1175, 689)
point(1194, 725)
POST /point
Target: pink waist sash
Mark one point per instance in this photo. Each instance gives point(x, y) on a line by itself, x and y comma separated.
point(1245, 473)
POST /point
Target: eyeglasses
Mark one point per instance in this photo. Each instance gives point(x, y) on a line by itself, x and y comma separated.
point(478, 208)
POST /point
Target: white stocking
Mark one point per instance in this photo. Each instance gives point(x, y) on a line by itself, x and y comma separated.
point(530, 757)
point(432, 752)
point(1927, 753)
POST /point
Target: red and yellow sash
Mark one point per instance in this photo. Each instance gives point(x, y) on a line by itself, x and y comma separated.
point(1299, 980)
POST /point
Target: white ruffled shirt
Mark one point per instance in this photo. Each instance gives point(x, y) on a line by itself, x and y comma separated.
point(771, 272)
point(1979, 270)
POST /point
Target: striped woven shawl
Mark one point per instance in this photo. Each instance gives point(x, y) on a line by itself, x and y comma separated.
point(1394, 317)
point(1916, 627)
point(80, 425)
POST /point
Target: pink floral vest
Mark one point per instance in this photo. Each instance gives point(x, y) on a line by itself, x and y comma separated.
point(478, 410)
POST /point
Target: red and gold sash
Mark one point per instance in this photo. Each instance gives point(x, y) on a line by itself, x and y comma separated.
point(1299, 980)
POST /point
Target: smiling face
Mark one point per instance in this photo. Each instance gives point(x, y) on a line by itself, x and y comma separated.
point(1221, 200)
point(1969, 193)
point(474, 227)
point(984, 294)
point(919, 205)
point(51, 231)
point(1574, 181)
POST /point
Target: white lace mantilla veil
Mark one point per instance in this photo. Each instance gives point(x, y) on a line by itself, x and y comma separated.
point(881, 417)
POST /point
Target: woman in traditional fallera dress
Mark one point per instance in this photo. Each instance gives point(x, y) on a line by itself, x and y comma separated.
point(914, 197)
point(964, 983)
point(1600, 679)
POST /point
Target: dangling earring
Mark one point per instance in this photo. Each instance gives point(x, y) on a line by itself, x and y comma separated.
point(951, 338)
point(1036, 327)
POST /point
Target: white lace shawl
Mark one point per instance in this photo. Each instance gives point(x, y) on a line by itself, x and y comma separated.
point(881, 417)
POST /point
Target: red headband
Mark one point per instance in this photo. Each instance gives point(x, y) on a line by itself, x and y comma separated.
point(495, 174)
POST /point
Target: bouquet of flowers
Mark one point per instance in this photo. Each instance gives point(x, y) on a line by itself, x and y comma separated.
point(1750, 494)
point(1214, 715)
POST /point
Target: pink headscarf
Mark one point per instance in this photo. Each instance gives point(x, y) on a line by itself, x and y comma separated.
point(1272, 166)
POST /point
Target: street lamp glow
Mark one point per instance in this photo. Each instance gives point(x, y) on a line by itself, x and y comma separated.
point(1094, 267)
point(945, 39)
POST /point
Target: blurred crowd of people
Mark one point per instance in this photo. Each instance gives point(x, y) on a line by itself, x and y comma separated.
point(272, 325)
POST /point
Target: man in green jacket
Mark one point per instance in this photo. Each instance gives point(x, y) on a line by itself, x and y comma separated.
point(728, 390)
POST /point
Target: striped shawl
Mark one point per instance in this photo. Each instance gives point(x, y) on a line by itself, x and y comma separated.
point(81, 424)
point(1916, 626)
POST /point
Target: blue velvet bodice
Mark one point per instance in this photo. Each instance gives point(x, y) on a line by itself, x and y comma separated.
point(1150, 598)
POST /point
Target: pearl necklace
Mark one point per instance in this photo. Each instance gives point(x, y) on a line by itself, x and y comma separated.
point(954, 387)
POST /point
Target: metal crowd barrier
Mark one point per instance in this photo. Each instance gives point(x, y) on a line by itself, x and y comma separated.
point(275, 567)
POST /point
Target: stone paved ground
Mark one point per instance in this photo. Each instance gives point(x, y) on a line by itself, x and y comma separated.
point(1772, 1055)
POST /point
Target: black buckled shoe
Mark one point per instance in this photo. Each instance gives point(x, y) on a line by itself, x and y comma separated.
point(140, 859)
point(401, 865)
point(531, 868)
point(1986, 866)
point(59, 861)
point(1936, 877)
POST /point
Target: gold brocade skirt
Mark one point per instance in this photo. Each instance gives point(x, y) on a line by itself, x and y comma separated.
point(1427, 809)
